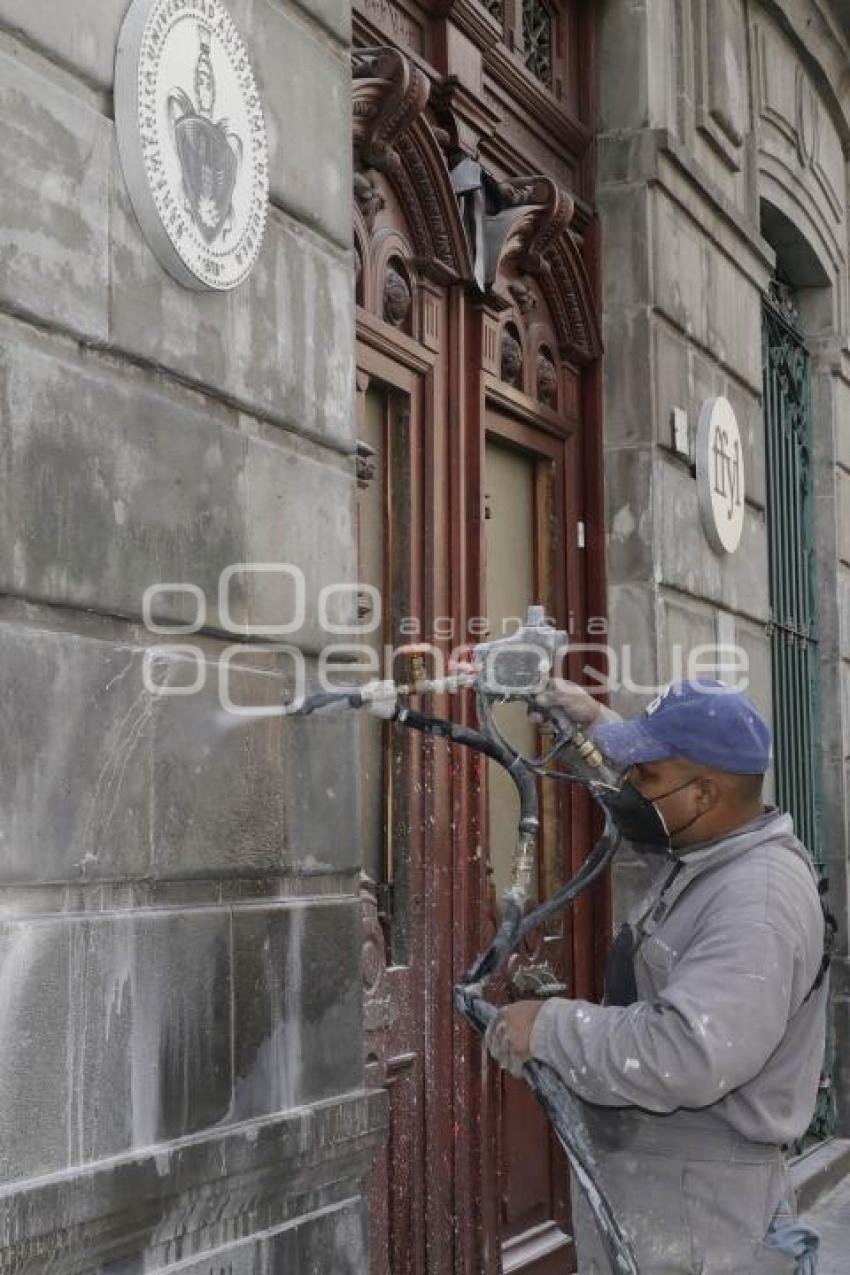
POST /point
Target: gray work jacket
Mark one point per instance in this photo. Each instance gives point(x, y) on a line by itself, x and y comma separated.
point(723, 1036)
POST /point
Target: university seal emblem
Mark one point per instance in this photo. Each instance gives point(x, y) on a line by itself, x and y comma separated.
point(192, 139)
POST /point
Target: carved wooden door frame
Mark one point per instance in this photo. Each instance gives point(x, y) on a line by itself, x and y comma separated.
point(428, 329)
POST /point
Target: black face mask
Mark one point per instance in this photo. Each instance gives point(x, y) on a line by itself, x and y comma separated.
point(638, 819)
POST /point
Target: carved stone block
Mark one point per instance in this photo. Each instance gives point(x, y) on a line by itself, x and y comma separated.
point(298, 1005)
point(828, 163)
point(721, 74)
point(776, 81)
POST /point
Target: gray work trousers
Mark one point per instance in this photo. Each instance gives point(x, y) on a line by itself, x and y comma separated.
point(698, 1204)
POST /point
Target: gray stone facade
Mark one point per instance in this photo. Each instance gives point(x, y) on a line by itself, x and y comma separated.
point(181, 1071)
point(722, 153)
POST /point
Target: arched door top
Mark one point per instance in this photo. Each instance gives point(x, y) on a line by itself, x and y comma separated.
point(464, 225)
point(393, 135)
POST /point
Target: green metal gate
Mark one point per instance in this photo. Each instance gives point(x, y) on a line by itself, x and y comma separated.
point(793, 599)
point(791, 547)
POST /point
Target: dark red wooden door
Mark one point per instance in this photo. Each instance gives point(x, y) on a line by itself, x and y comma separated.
point(466, 395)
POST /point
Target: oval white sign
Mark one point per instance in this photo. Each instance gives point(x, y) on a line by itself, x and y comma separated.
point(192, 139)
point(720, 475)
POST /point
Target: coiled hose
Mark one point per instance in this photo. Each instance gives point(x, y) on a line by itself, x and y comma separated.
point(560, 1104)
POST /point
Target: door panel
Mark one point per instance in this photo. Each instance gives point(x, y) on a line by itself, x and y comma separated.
point(522, 483)
point(509, 511)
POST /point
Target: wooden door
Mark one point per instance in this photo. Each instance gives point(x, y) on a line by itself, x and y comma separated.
point(525, 484)
point(460, 390)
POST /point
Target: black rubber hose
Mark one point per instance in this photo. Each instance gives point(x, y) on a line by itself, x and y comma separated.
point(565, 1114)
point(526, 786)
point(560, 1104)
point(592, 868)
point(526, 783)
point(567, 1118)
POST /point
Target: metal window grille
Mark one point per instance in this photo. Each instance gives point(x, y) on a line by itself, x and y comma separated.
point(537, 39)
point(791, 546)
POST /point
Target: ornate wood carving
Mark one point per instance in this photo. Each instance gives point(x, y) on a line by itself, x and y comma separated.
point(533, 214)
point(397, 298)
point(531, 229)
point(393, 136)
point(547, 379)
point(422, 204)
point(369, 198)
point(511, 365)
point(523, 296)
point(389, 94)
point(364, 460)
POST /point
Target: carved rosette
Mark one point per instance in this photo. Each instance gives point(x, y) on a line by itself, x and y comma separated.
point(397, 298)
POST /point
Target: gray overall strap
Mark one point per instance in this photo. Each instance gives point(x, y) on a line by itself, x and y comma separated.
point(620, 980)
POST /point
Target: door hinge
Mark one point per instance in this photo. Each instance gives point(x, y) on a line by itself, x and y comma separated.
point(581, 535)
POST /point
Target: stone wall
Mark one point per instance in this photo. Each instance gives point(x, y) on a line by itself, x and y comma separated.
point(724, 150)
point(180, 1002)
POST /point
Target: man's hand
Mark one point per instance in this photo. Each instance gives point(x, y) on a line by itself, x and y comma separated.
point(578, 704)
point(508, 1037)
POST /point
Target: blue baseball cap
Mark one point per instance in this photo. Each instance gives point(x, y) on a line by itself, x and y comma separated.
point(706, 721)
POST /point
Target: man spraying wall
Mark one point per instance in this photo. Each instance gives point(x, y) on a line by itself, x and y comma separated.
point(704, 1060)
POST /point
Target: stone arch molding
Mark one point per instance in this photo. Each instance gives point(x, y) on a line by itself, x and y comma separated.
point(465, 227)
point(802, 137)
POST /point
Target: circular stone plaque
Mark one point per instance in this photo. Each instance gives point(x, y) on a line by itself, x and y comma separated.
point(720, 475)
point(192, 139)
